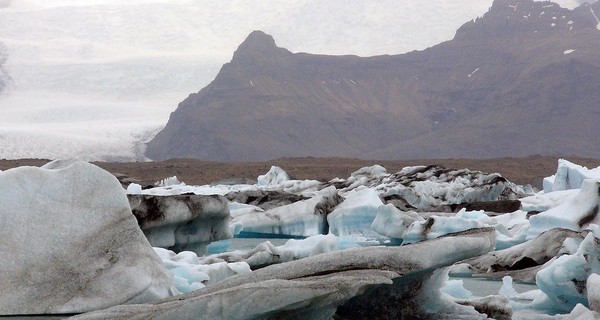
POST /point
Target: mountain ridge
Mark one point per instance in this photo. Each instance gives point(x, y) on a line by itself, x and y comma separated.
point(467, 97)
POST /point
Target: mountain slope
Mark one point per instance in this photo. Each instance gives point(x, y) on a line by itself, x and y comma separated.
point(93, 79)
point(522, 79)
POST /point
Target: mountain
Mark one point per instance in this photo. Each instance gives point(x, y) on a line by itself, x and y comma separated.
point(522, 79)
point(100, 78)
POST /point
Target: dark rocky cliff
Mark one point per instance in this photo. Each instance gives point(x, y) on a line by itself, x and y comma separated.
point(522, 79)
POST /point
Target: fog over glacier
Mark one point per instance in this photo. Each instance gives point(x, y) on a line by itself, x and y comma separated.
point(96, 79)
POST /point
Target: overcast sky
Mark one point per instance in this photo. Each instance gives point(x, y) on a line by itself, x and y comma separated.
point(77, 62)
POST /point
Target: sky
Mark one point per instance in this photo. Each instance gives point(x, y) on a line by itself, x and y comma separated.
point(95, 79)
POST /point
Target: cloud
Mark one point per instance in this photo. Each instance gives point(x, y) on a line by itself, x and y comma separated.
point(5, 3)
point(5, 80)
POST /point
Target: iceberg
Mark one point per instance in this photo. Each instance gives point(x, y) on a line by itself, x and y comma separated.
point(580, 312)
point(564, 281)
point(507, 289)
point(531, 254)
point(569, 176)
point(171, 181)
point(425, 187)
point(70, 243)
point(301, 218)
point(266, 253)
point(575, 214)
point(436, 226)
point(264, 199)
point(410, 226)
point(393, 222)
point(316, 287)
point(355, 214)
point(544, 201)
point(593, 291)
point(182, 222)
point(275, 176)
point(191, 274)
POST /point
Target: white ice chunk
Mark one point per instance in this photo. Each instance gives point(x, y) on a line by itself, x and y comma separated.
point(183, 222)
point(426, 187)
point(189, 274)
point(456, 289)
point(436, 226)
point(461, 270)
point(544, 201)
point(365, 175)
point(538, 251)
point(440, 296)
point(167, 182)
point(392, 222)
point(593, 291)
point(564, 280)
point(266, 253)
point(573, 214)
point(134, 188)
point(301, 218)
point(580, 312)
point(569, 176)
point(507, 289)
point(356, 214)
point(372, 172)
point(275, 176)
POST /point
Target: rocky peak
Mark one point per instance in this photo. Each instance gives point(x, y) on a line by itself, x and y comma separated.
point(590, 13)
point(258, 47)
point(502, 90)
point(507, 17)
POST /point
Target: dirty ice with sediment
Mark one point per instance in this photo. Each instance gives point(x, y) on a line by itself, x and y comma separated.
point(163, 252)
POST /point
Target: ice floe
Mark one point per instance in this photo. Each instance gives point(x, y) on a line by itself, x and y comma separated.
point(319, 286)
point(374, 241)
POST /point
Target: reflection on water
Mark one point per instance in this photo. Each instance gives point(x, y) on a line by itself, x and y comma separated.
point(483, 287)
point(44, 317)
point(242, 244)
point(251, 243)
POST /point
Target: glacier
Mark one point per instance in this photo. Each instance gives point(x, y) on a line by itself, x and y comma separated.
point(100, 79)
